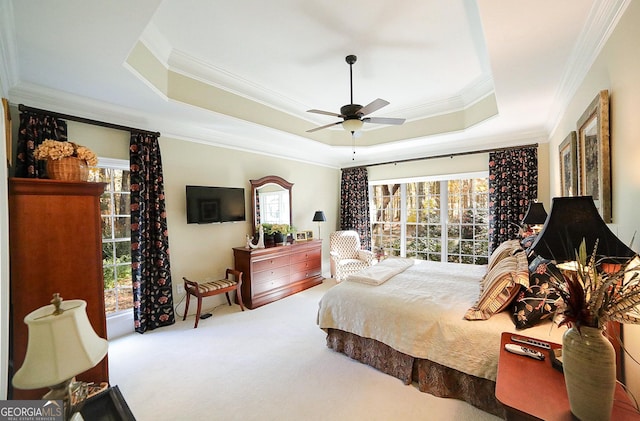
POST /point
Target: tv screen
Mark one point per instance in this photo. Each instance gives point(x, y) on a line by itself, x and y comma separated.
point(214, 204)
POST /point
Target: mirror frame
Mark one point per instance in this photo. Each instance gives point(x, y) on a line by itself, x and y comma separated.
point(269, 179)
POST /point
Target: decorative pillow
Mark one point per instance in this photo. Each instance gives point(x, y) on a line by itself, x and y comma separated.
point(500, 286)
point(538, 301)
point(528, 241)
point(505, 249)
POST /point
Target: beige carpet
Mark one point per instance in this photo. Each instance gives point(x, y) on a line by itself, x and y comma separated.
point(271, 363)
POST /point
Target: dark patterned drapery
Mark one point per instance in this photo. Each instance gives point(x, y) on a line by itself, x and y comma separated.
point(150, 268)
point(513, 182)
point(354, 204)
point(34, 129)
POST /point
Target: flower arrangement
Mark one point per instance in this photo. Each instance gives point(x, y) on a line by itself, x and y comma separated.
point(54, 149)
point(277, 228)
point(596, 292)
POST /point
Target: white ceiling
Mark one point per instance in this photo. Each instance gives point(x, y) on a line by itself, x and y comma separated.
point(466, 75)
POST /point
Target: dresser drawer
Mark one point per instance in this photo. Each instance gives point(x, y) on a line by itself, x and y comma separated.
point(269, 264)
point(270, 274)
point(312, 254)
point(304, 273)
point(269, 285)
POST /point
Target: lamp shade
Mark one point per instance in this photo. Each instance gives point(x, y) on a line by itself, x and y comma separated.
point(60, 346)
point(352, 125)
point(319, 216)
point(571, 220)
point(536, 215)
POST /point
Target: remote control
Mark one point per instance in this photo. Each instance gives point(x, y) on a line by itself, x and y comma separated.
point(529, 341)
point(523, 350)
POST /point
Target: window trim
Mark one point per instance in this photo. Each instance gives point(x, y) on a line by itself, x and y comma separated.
point(444, 197)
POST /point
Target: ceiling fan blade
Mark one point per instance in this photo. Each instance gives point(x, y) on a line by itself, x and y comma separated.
point(373, 106)
point(325, 113)
point(383, 120)
point(323, 127)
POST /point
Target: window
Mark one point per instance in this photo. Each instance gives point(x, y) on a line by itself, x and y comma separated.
point(116, 234)
point(438, 219)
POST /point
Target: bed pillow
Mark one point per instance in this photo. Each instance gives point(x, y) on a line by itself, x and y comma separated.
point(537, 302)
point(505, 249)
point(500, 286)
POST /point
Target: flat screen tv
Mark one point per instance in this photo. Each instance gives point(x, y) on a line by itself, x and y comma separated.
point(207, 205)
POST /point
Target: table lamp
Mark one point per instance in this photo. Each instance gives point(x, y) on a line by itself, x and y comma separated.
point(535, 216)
point(319, 217)
point(61, 345)
point(571, 220)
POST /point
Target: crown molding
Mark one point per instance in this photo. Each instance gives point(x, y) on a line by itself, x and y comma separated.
point(8, 58)
point(599, 26)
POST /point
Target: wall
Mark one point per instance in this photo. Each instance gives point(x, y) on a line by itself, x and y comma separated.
point(616, 69)
point(457, 165)
point(204, 250)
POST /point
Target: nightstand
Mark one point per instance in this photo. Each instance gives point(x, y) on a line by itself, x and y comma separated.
point(530, 389)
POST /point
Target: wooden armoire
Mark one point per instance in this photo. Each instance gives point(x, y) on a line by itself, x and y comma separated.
point(55, 242)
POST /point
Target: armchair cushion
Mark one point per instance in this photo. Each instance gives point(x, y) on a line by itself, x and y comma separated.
point(346, 254)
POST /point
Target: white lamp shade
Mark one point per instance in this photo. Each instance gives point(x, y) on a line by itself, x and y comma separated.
point(352, 125)
point(60, 346)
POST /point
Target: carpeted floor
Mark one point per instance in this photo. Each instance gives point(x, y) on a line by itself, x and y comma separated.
point(270, 363)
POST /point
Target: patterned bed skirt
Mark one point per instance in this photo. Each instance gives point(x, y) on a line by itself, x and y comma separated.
point(430, 377)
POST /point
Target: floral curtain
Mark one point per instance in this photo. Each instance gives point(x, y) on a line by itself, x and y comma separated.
point(513, 182)
point(153, 299)
point(354, 204)
point(35, 129)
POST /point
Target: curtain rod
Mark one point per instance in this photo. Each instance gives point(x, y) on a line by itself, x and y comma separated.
point(22, 107)
point(449, 155)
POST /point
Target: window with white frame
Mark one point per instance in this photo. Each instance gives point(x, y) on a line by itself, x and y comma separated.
point(432, 218)
point(116, 234)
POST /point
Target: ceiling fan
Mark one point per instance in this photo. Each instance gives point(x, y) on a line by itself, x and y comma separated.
point(353, 115)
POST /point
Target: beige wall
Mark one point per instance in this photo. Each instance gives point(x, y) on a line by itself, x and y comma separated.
point(616, 69)
point(206, 250)
point(458, 165)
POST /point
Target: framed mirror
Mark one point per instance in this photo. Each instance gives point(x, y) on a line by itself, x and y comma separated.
point(271, 201)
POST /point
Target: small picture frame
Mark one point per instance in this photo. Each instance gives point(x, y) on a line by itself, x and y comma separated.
point(309, 234)
point(301, 236)
point(569, 165)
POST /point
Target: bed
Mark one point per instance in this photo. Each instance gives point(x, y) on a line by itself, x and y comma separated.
point(409, 323)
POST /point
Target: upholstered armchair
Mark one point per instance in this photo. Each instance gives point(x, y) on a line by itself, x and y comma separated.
point(346, 255)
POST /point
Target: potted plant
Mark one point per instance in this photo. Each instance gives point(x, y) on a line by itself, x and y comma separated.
point(280, 232)
point(594, 291)
point(66, 161)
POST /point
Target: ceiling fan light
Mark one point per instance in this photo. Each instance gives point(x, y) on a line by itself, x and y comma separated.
point(352, 125)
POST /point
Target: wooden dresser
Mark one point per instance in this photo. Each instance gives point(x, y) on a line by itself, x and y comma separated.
point(276, 272)
point(55, 245)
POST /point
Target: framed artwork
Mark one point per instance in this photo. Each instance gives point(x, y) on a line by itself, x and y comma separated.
point(7, 129)
point(594, 162)
point(569, 165)
point(309, 234)
point(301, 236)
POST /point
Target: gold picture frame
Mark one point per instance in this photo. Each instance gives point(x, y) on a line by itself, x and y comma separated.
point(301, 236)
point(309, 234)
point(594, 159)
point(569, 165)
point(8, 131)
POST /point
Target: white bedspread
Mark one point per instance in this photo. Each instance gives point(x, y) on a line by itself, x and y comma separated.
point(420, 312)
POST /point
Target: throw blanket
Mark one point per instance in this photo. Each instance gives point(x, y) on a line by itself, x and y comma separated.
point(382, 272)
point(420, 312)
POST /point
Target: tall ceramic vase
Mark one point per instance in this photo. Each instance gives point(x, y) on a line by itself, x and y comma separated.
point(589, 365)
